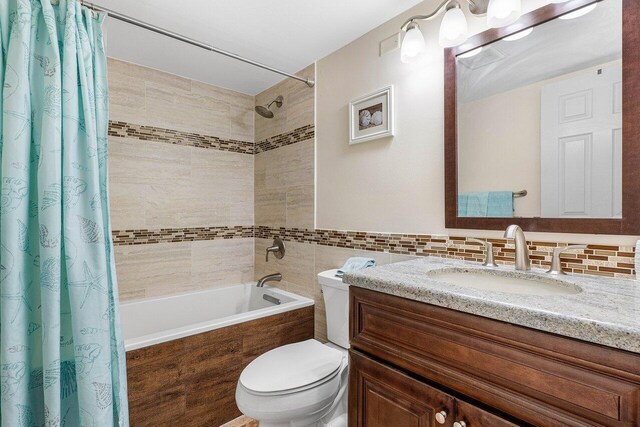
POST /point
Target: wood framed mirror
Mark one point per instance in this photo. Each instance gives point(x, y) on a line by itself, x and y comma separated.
point(553, 117)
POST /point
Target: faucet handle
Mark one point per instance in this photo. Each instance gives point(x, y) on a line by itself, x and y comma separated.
point(488, 247)
point(277, 248)
point(556, 265)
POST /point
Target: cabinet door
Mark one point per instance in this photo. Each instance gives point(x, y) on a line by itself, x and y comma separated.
point(380, 396)
point(467, 415)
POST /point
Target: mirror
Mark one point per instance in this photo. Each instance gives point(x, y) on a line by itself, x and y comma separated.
point(539, 120)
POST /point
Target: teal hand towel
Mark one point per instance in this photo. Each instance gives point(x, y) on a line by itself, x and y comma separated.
point(355, 263)
point(500, 204)
point(477, 204)
point(463, 200)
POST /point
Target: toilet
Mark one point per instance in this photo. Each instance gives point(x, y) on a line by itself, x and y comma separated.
point(303, 384)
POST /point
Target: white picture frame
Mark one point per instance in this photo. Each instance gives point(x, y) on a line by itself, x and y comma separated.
point(371, 116)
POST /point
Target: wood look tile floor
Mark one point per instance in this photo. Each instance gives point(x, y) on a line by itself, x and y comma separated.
point(242, 421)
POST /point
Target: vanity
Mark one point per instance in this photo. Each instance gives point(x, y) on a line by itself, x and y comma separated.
point(542, 134)
point(428, 352)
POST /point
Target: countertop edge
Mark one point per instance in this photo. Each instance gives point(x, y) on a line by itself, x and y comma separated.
point(588, 330)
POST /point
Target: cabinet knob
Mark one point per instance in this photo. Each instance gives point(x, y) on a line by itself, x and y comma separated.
point(459, 424)
point(441, 417)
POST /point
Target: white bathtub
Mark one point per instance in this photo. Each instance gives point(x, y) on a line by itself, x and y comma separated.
point(155, 320)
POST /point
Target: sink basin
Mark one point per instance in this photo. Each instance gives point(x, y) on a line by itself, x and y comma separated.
point(509, 282)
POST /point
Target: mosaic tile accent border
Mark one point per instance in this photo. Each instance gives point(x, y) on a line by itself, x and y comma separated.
point(168, 235)
point(602, 260)
point(170, 136)
point(297, 135)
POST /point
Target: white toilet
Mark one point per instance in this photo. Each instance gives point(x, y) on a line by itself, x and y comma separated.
point(303, 384)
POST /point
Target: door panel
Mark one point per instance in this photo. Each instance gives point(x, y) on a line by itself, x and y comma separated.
point(383, 397)
point(581, 177)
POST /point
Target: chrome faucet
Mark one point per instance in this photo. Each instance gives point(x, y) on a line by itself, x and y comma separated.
point(276, 277)
point(522, 250)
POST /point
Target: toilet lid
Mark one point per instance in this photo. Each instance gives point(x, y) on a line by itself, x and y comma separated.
point(291, 366)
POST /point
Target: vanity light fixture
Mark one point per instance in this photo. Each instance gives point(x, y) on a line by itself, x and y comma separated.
point(519, 35)
point(412, 44)
point(453, 29)
point(501, 13)
point(580, 12)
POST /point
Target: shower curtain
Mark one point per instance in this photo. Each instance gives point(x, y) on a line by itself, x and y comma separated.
point(61, 350)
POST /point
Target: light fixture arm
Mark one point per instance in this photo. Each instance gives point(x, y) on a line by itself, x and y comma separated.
point(476, 7)
point(428, 17)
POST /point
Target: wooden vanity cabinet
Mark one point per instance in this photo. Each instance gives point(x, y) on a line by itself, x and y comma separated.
point(385, 397)
point(411, 361)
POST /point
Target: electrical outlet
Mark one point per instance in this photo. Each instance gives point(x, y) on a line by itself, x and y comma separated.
point(390, 44)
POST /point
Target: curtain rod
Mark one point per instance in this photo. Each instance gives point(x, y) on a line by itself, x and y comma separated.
point(176, 36)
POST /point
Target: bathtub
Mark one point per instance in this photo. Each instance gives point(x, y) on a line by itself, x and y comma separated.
point(153, 321)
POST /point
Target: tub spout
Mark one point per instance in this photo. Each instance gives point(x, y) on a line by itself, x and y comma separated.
point(269, 278)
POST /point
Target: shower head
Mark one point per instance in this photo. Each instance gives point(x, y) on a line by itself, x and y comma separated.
point(265, 110)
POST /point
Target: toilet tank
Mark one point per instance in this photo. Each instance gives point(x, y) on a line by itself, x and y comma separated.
point(336, 301)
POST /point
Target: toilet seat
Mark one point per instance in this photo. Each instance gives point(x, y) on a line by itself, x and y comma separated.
point(292, 368)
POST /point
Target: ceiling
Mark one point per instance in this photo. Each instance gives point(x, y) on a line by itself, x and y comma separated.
point(286, 34)
point(554, 48)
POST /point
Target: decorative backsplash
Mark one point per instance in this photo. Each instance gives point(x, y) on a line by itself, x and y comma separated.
point(176, 137)
point(167, 235)
point(602, 260)
point(297, 135)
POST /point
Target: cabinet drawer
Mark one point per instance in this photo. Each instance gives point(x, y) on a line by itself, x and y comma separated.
point(538, 377)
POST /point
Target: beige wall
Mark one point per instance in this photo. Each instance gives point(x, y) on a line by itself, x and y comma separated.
point(504, 157)
point(393, 184)
point(156, 185)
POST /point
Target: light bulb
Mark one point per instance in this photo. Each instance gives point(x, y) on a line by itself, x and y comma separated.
point(501, 13)
point(412, 44)
point(519, 35)
point(453, 29)
point(580, 12)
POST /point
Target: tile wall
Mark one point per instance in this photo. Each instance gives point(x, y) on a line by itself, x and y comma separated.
point(181, 182)
point(196, 200)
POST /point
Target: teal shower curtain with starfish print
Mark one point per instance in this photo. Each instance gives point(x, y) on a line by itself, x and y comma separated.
point(61, 350)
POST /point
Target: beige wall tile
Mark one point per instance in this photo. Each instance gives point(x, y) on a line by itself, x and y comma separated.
point(271, 208)
point(300, 207)
point(170, 268)
point(127, 100)
point(297, 266)
point(153, 270)
point(219, 263)
point(157, 185)
point(150, 97)
point(284, 186)
point(297, 109)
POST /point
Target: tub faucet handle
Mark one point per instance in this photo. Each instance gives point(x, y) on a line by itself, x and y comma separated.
point(277, 248)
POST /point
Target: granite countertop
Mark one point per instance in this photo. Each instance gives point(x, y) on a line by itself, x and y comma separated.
point(606, 311)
